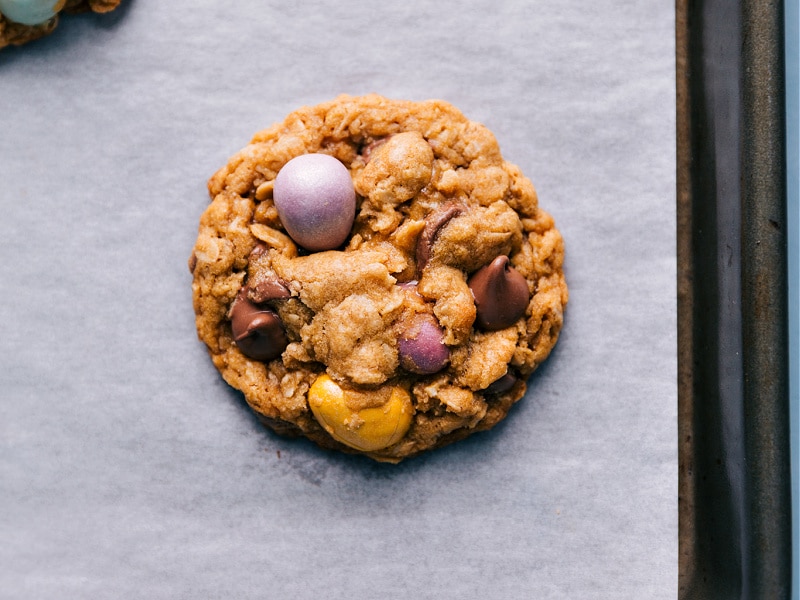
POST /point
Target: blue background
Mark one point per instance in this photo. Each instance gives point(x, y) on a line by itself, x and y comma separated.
point(793, 166)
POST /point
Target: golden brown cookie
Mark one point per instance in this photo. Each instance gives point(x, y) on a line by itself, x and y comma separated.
point(23, 21)
point(372, 275)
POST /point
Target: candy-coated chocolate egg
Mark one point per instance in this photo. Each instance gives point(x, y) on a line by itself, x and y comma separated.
point(316, 201)
point(367, 429)
point(421, 348)
point(30, 12)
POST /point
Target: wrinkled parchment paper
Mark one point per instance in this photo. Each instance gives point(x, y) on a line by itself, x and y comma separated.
point(129, 469)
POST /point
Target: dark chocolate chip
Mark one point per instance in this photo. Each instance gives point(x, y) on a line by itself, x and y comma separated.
point(501, 294)
point(434, 224)
point(258, 332)
point(264, 284)
point(268, 288)
point(505, 383)
point(259, 249)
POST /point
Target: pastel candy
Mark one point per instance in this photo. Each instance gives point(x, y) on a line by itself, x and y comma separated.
point(316, 201)
point(30, 12)
point(421, 348)
point(366, 429)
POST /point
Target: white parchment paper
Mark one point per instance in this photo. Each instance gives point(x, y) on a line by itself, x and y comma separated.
point(128, 469)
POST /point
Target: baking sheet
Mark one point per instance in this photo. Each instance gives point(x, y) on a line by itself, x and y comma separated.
point(792, 69)
point(129, 469)
point(734, 483)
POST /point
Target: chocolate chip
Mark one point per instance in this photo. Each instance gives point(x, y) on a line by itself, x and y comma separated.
point(268, 287)
point(259, 249)
point(505, 383)
point(501, 294)
point(263, 283)
point(258, 332)
point(434, 224)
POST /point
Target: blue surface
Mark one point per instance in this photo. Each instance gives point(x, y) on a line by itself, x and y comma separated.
point(793, 215)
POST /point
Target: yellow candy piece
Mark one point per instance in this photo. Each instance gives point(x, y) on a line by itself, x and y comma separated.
point(367, 429)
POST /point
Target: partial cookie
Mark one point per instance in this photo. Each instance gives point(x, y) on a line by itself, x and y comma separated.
point(372, 275)
point(23, 21)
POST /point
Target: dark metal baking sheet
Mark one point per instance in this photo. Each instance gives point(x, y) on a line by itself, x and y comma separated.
point(734, 482)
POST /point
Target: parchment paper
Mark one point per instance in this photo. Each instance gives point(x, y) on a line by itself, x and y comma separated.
point(128, 469)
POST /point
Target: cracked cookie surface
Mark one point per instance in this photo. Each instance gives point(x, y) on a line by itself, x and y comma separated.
point(423, 325)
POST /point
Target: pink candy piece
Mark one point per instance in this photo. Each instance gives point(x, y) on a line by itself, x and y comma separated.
point(421, 348)
point(316, 201)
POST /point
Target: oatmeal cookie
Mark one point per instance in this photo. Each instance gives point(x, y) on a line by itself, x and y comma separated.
point(23, 21)
point(372, 275)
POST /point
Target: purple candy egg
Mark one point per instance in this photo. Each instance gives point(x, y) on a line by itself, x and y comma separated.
point(421, 347)
point(316, 201)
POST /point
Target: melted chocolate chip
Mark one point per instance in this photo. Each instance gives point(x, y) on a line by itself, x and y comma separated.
point(434, 224)
point(501, 294)
point(268, 288)
point(258, 332)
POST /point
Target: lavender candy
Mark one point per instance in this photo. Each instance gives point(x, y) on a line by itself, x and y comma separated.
point(316, 201)
point(421, 348)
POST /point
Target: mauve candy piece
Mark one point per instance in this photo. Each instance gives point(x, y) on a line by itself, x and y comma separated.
point(368, 150)
point(316, 201)
point(501, 294)
point(421, 348)
point(258, 332)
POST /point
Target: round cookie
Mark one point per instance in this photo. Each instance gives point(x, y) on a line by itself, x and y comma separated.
point(23, 21)
point(417, 327)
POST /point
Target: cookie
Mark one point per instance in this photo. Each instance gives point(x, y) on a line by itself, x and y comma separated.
point(372, 275)
point(23, 21)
